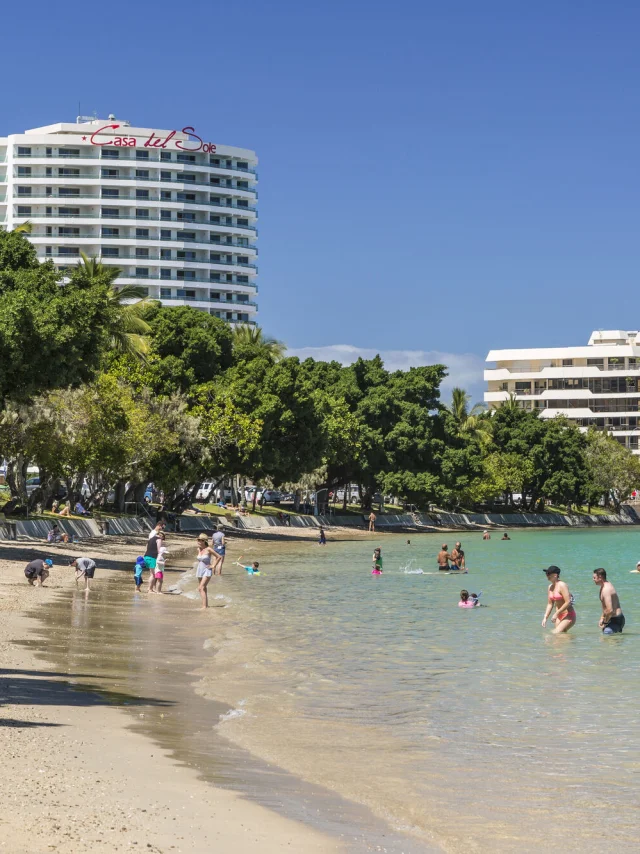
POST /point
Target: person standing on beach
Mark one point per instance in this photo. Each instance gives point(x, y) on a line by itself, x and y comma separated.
point(38, 570)
point(220, 548)
point(85, 567)
point(206, 556)
point(158, 573)
point(151, 554)
point(372, 522)
point(558, 595)
point(443, 558)
point(612, 620)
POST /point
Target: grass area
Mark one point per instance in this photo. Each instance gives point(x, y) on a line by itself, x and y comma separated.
point(580, 511)
point(287, 510)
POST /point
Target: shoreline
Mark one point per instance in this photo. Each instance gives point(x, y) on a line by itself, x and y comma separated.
point(57, 735)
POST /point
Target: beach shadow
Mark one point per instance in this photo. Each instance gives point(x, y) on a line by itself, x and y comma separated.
point(12, 722)
point(9, 671)
point(28, 689)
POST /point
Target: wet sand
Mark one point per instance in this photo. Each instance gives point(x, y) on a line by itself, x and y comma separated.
point(75, 775)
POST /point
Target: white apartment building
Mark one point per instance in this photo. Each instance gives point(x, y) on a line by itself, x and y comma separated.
point(597, 385)
point(176, 214)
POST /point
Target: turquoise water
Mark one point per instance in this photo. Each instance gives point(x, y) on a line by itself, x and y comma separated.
point(476, 730)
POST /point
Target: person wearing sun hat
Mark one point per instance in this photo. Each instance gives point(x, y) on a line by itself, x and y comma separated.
point(38, 570)
point(558, 595)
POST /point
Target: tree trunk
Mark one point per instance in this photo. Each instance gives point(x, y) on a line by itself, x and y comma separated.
point(17, 478)
point(119, 496)
point(344, 499)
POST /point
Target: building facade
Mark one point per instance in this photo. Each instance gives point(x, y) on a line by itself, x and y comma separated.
point(175, 214)
point(597, 385)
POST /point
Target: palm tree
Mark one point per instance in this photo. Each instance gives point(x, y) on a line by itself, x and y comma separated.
point(23, 228)
point(253, 337)
point(470, 422)
point(129, 333)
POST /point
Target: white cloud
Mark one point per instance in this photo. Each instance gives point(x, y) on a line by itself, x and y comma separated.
point(464, 369)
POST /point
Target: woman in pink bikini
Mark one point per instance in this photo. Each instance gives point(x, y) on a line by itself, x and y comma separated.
point(565, 615)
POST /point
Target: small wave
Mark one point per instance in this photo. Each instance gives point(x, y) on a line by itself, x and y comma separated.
point(413, 571)
point(232, 714)
point(222, 596)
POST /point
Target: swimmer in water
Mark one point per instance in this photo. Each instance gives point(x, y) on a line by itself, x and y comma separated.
point(468, 600)
point(254, 569)
point(443, 558)
point(558, 595)
point(486, 535)
point(457, 557)
point(506, 536)
point(377, 562)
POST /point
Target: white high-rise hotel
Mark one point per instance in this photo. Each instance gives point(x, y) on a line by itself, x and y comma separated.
point(597, 385)
point(176, 214)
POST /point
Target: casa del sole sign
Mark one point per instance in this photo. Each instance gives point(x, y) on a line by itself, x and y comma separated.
point(194, 143)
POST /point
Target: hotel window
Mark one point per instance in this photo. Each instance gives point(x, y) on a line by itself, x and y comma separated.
point(142, 272)
point(186, 197)
point(24, 191)
point(48, 231)
point(185, 255)
point(48, 211)
point(243, 222)
point(69, 250)
point(229, 315)
point(48, 250)
point(165, 293)
point(228, 220)
point(48, 191)
point(189, 294)
point(48, 152)
point(141, 252)
point(242, 280)
point(165, 274)
point(214, 277)
point(567, 363)
point(165, 195)
point(243, 259)
point(48, 172)
point(24, 151)
point(142, 233)
point(142, 194)
point(165, 214)
point(110, 193)
point(215, 258)
point(68, 231)
point(214, 295)
point(69, 211)
point(165, 255)
point(242, 241)
point(214, 238)
point(242, 185)
point(228, 277)
point(186, 177)
point(110, 154)
point(65, 172)
point(69, 191)
point(142, 173)
point(242, 203)
point(141, 154)
point(214, 218)
point(186, 274)
point(187, 216)
point(215, 200)
point(242, 165)
point(595, 363)
point(165, 155)
point(110, 251)
point(165, 234)
point(108, 231)
point(213, 180)
point(109, 173)
point(142, 213)
point(24, 171)
point(214, 161)
point(110, 213)
point(186, 235)
point(68, 152)
point(24, 210)
point(165, 176)
point(186, 158)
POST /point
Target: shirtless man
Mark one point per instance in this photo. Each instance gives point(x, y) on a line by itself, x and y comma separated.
point(372, 522)
point(443, 558)
point(612, 620)
point(457, 556)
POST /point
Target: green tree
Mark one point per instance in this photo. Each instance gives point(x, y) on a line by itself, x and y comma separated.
point(613, 472)
point(250, 342)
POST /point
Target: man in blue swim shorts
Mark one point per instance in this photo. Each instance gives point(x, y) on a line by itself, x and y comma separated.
point(612, 620)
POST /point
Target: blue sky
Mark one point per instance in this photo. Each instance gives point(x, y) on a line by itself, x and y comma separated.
point(436, 179)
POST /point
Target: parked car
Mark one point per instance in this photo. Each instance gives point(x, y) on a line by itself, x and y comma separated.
point(270, 496)
point(204, 491)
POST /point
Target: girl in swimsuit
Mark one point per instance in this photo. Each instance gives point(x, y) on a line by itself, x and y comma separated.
point(205, 557)
point(558, 595)
point(377, 562)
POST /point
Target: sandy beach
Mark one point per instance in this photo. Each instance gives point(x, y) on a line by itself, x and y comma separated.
point(75, 777)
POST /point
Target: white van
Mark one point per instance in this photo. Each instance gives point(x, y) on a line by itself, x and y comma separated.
point(204, 491)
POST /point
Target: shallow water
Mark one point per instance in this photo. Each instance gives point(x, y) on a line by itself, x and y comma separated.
point(478, 729)
point(466, 730)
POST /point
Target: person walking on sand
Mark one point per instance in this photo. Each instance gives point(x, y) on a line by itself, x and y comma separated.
point(372, 522)
point(38, 570)
point(206, 556)
point(151, 554)
point(220, 548)
point(443, 558)
point(85, 568)
point(612, 620)
point(158, 573)
point(558, 595)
